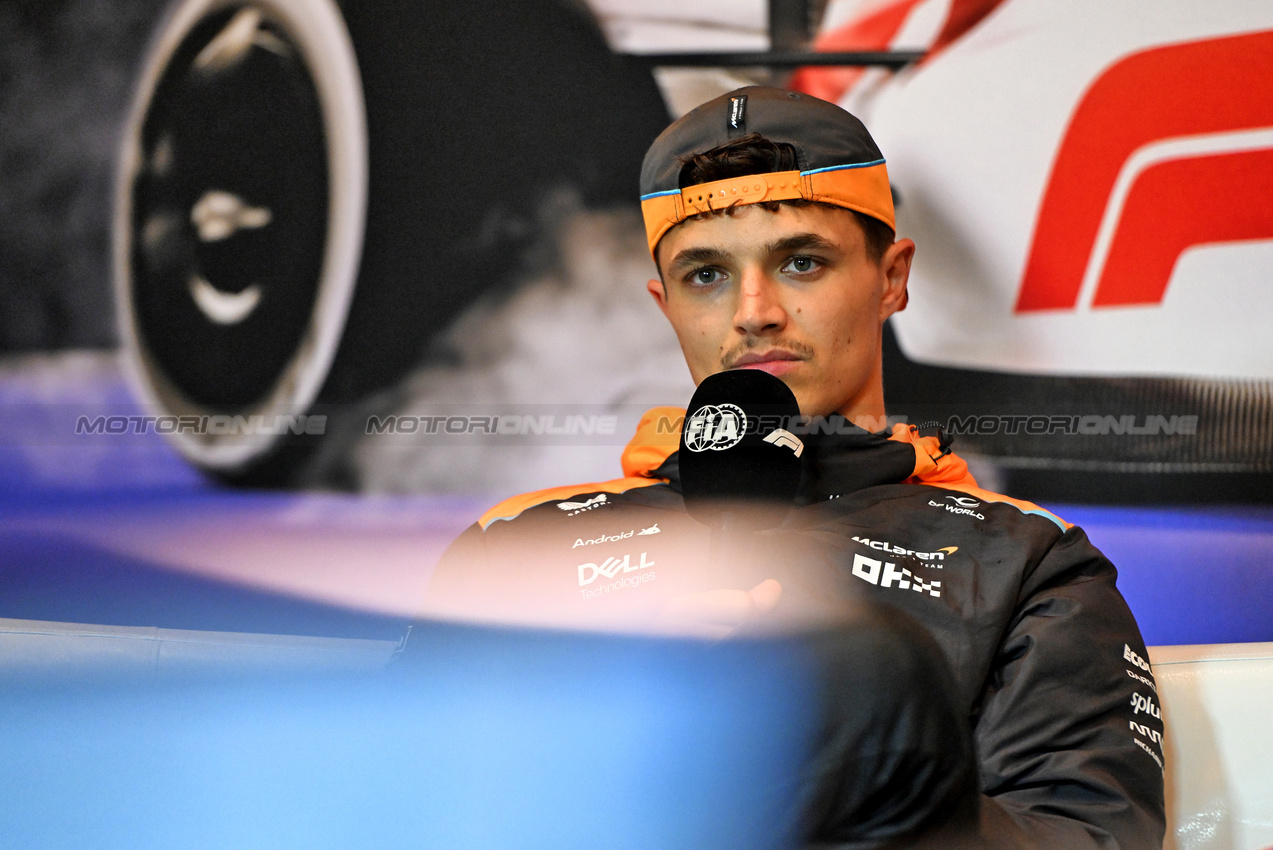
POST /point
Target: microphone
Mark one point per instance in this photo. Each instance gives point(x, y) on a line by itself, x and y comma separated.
point(739, 462)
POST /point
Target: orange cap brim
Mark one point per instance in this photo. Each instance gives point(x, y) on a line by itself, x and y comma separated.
point(863, 188)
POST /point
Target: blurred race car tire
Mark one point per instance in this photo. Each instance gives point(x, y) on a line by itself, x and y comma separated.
point(309, 191)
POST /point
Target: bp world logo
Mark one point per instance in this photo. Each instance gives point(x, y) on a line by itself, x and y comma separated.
point(964, 501)
point(965, 505)
point(715, 427)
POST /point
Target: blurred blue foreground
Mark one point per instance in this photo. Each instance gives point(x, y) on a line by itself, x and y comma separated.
point(487, 739)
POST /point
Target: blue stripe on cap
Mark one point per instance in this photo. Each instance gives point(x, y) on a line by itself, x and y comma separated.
point(842, 167)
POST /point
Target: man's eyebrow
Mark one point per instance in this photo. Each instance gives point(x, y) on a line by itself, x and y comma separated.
point(691, 257)
point(800, 242)
point(695, 257)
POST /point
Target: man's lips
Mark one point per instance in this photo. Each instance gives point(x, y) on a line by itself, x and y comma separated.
point(774, 362)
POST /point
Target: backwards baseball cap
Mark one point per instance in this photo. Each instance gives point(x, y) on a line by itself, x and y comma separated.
point(839, 162)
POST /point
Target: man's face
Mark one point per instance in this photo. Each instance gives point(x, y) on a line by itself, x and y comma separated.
point(792, 292)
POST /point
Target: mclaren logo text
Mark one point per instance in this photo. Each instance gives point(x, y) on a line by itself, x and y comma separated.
point(938, 555)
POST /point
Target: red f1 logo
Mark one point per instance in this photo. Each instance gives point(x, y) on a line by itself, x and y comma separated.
point(1169, 148)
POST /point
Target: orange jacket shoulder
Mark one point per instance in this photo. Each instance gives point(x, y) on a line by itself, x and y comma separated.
point(657, 436)
point(950, 471)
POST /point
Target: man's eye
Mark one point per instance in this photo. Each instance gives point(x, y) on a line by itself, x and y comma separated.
point(705, 277)
point(800, 265)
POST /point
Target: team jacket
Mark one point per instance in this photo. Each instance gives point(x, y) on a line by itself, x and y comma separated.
point(1046, 655)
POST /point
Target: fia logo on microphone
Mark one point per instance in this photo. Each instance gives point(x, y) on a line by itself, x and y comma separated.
point(715, 427)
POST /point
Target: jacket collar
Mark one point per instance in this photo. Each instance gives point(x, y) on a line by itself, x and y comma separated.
point(839, 457)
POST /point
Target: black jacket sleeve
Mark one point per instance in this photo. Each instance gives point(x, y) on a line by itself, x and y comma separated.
point(1069, 733)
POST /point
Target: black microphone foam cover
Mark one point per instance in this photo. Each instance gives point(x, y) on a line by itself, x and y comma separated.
point(738, 450)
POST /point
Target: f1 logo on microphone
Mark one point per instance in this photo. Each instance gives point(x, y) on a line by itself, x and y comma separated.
point(786, 439)
point(1140, 178)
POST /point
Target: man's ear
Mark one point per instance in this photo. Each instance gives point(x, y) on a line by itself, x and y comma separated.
point(658, 292)
point(896, 268)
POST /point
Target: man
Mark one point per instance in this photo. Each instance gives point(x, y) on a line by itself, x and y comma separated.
point(769, 216)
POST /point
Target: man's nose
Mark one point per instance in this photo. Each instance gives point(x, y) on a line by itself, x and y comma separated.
point(760, 307)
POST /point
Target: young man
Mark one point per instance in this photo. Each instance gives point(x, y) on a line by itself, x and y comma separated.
point(770, 218)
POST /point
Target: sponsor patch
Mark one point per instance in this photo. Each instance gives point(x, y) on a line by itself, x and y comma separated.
point(615, 538)
point(937, 555)
point(1146, 704)
point(625, 583)
point(611, 567)
point(1131, 656)
point(605, 538)
point(738, 113)
point(572, 508)
point(1147, 682)
point(888, 574)
point(1144, 731)
point(962, 505)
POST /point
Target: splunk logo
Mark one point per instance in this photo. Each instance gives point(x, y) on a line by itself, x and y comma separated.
point(887, 574)
point(1138, 180)
point(611, 567)
point(1146, 704)
point(965, 505)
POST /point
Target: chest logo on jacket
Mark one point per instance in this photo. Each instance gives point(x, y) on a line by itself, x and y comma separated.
point(610, 569)
point(615, 538)
point(964, 505)
point(931, 559)
point(573, 508)
point(888, 574)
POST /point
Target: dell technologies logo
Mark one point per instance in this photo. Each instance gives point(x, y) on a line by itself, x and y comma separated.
point(610, 567)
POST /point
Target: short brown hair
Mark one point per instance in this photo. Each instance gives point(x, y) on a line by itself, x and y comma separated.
point(754, 154)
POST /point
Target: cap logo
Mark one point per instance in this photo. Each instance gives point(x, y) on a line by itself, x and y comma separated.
point(738, 113)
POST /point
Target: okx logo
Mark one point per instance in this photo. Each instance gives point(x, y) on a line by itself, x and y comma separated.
point(888, 574)
point(611, 567)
